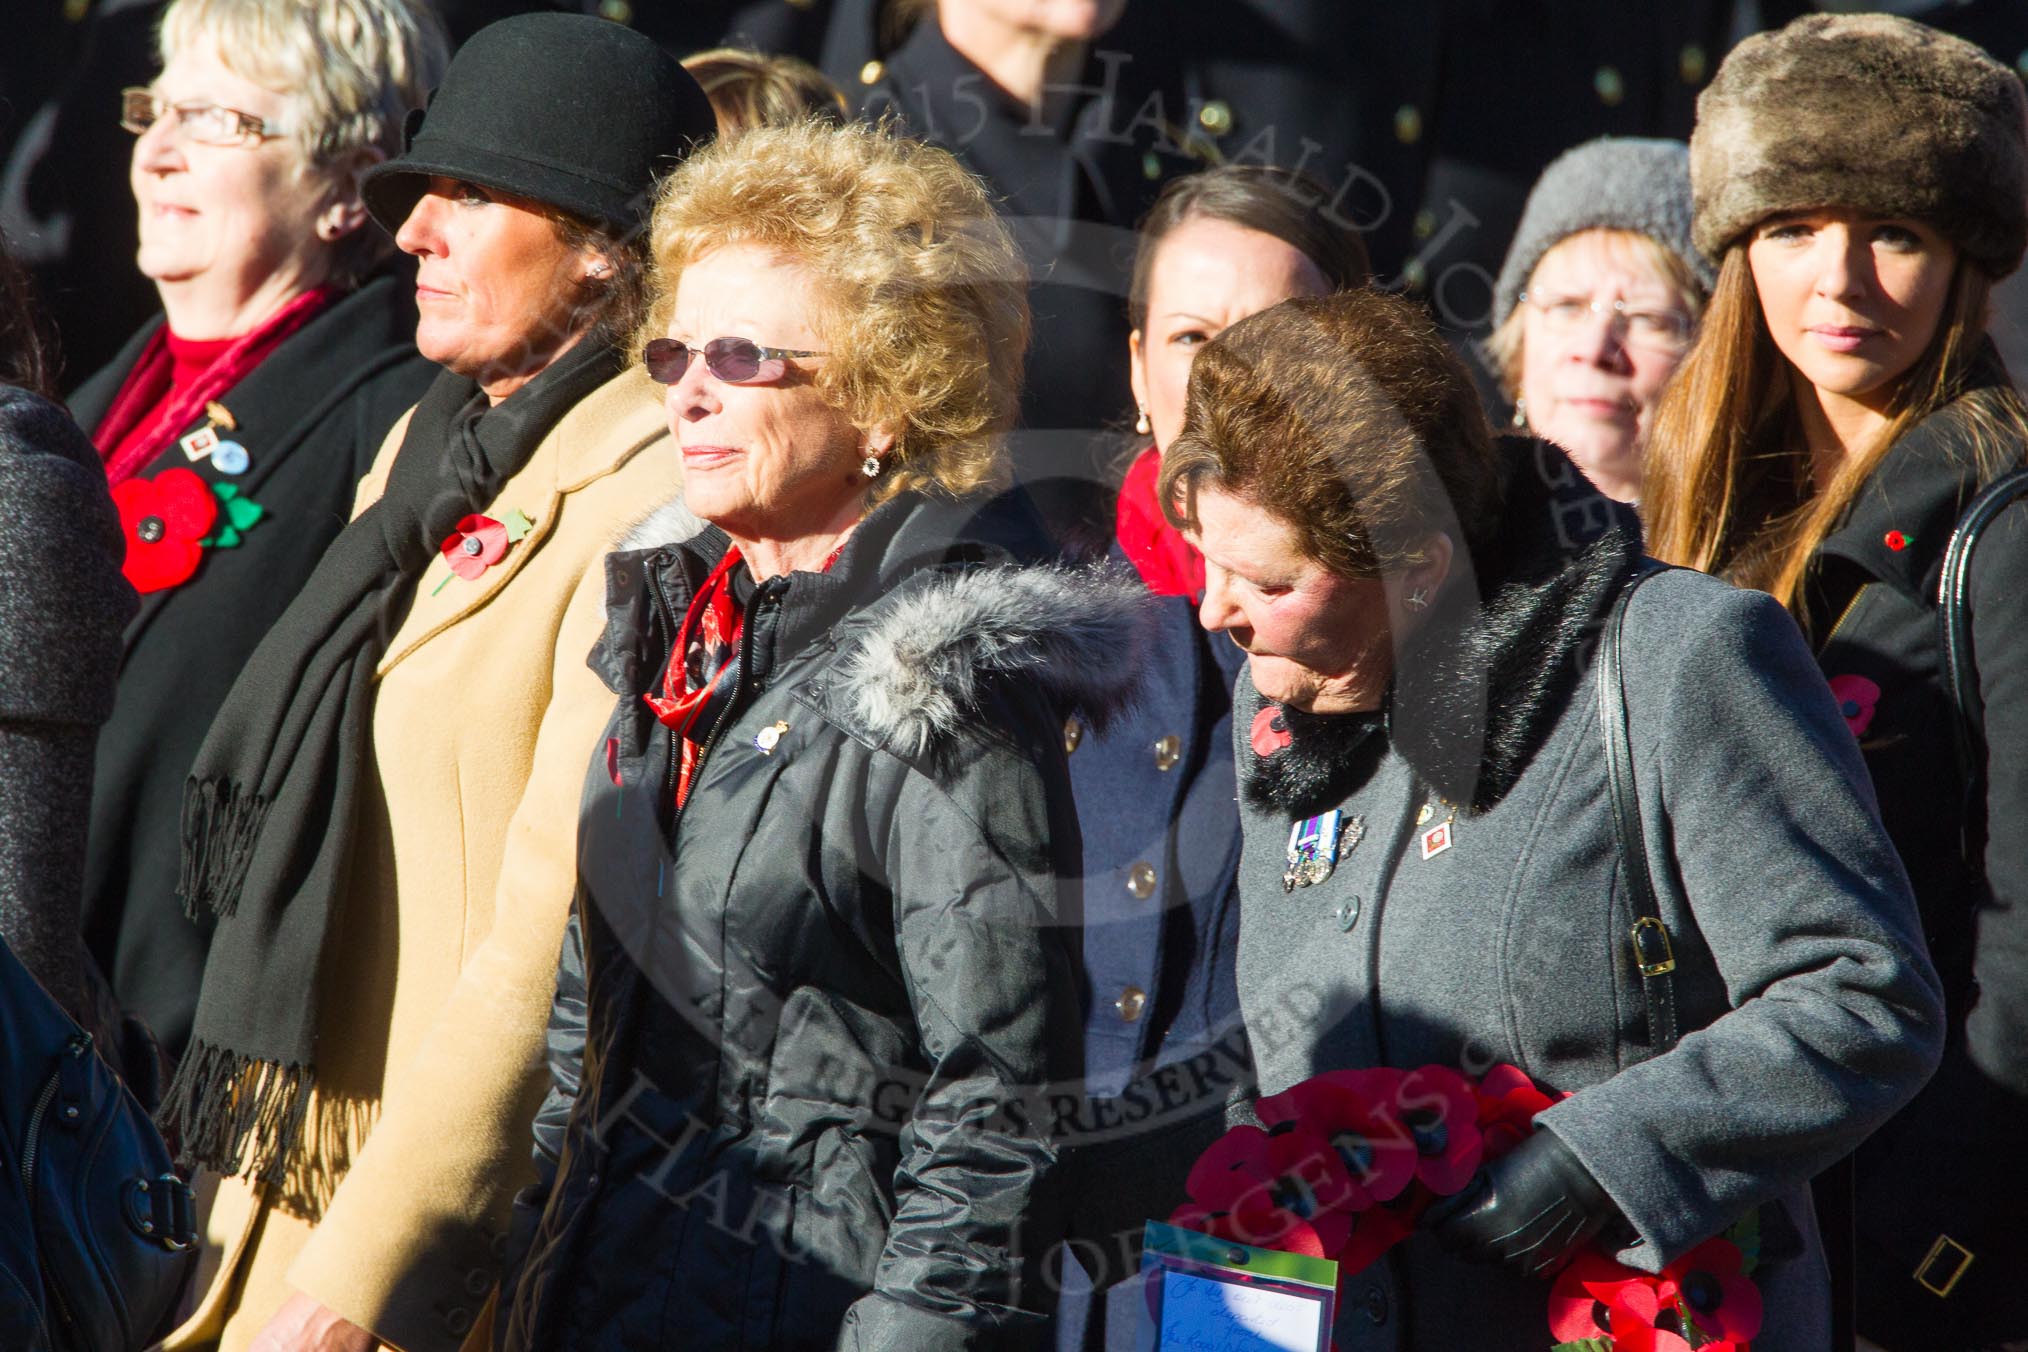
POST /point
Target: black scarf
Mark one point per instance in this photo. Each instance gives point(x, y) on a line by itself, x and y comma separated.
point(270, 808)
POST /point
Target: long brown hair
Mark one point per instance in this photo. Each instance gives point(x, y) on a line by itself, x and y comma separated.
point(1727, 479)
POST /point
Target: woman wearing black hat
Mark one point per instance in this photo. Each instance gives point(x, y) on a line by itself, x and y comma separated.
point(1839, 413)
point(382, 820)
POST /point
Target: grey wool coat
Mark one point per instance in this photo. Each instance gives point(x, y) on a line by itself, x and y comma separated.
point(1810, 1009)
point(63, 604)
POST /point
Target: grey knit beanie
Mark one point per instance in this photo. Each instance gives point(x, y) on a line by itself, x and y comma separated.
point(1872, 112)
point(1613, 183)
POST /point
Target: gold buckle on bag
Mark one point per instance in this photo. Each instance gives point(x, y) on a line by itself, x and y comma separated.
point(1944, 1250)
point(1652, 953)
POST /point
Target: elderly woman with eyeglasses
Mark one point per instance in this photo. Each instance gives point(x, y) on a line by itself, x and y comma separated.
point(1597, 302)
point(234, 427)
point(816, 986)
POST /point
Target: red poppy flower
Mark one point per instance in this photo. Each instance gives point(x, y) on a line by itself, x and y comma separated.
point(1437, 1106)
point(1858, 699)
point(1270, 730)
point(1711, 1286)
point(1378, 1229)
point(1276, 1185)
point(1643, 1321)
point(1581, 1301)
point(1358, 1120)
point(480, 542)
point(1508, 1101)
point(163, 519)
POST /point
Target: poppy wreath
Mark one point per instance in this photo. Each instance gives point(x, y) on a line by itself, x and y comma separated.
point(1344, 1164)
point(168, 523)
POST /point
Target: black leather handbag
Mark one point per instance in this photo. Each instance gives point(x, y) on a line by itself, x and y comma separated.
point(97, 1233)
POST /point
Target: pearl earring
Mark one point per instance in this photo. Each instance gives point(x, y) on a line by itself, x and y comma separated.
point(1142, 425)
point(1519, 422)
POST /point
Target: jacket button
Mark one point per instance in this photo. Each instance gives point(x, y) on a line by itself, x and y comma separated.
point(871, 72)
point(1073, 733)
point(1348, 914)
point(1141, 880)
point(1168, 751)
point(458, 1320)
point(1374, 1304)
point(1131, 1002)
point(1610, 87)
point(1408, 124)
point(478, 1281)
point(1215, 117)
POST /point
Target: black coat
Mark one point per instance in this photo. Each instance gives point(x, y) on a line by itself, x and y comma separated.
point(1952, 1163)
point(1072, 191)
point(798, 1028)
point(311, 417)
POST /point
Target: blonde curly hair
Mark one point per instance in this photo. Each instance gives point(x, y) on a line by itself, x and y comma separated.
point(925, 298)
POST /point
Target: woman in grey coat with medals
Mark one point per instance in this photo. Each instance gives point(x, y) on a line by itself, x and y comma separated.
point(1431, 871)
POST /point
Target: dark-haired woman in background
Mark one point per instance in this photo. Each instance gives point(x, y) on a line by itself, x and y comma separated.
point(1155, 791)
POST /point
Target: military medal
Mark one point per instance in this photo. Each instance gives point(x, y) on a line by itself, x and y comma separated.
point(1315, 845)
point(768, 738)
point(200, 443)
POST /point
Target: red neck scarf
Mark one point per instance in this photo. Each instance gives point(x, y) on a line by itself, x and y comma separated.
point(174, 379)
point(1168, 563)
point(703, 670)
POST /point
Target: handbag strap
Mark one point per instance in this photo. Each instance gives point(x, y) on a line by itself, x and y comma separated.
point(1954, 604)
point(1654, 958)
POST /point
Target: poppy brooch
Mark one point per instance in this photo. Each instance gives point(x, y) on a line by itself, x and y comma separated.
point(478, 543)
point(170, 520)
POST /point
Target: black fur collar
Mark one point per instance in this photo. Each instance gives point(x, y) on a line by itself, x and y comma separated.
point(1481, 684)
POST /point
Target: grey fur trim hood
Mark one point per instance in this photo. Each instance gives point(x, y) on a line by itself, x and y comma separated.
point(1869, 111)
point(1076, 633)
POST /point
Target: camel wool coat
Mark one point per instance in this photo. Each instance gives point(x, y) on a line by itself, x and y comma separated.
point(437, 989)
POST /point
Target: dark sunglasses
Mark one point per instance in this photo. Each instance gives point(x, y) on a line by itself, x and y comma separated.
point(736, 361)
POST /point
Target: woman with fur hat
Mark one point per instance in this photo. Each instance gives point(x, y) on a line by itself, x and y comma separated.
point(1863, 182)
point(381, 821)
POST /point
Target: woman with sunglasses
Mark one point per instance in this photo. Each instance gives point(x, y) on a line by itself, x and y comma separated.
point(235, 425)
point(397, 768)
point(1841, 410)
point(817, 985)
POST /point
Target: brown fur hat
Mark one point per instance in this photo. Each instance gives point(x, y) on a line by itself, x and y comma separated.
point(1868, 111)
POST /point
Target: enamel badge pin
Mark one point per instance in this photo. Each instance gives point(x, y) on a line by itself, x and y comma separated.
point(1316, 844)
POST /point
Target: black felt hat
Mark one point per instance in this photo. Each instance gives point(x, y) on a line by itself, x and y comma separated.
point(568, 110)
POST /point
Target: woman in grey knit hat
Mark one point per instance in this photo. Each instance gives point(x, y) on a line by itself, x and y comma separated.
point(1863, 181)
point(1598, 300)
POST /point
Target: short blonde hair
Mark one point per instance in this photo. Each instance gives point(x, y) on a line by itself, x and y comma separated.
point(352, 68)
point(925, 298)
point(753, 89)
point(1504, 345)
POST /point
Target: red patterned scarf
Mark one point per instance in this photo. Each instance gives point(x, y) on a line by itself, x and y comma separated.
point(703, 671)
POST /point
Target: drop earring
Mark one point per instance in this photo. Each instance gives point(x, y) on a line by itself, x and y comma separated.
point(1141, 423)
point(870, 467)
point(1519, 422)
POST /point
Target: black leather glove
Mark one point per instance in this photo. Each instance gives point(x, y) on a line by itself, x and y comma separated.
point(1532, 1210)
